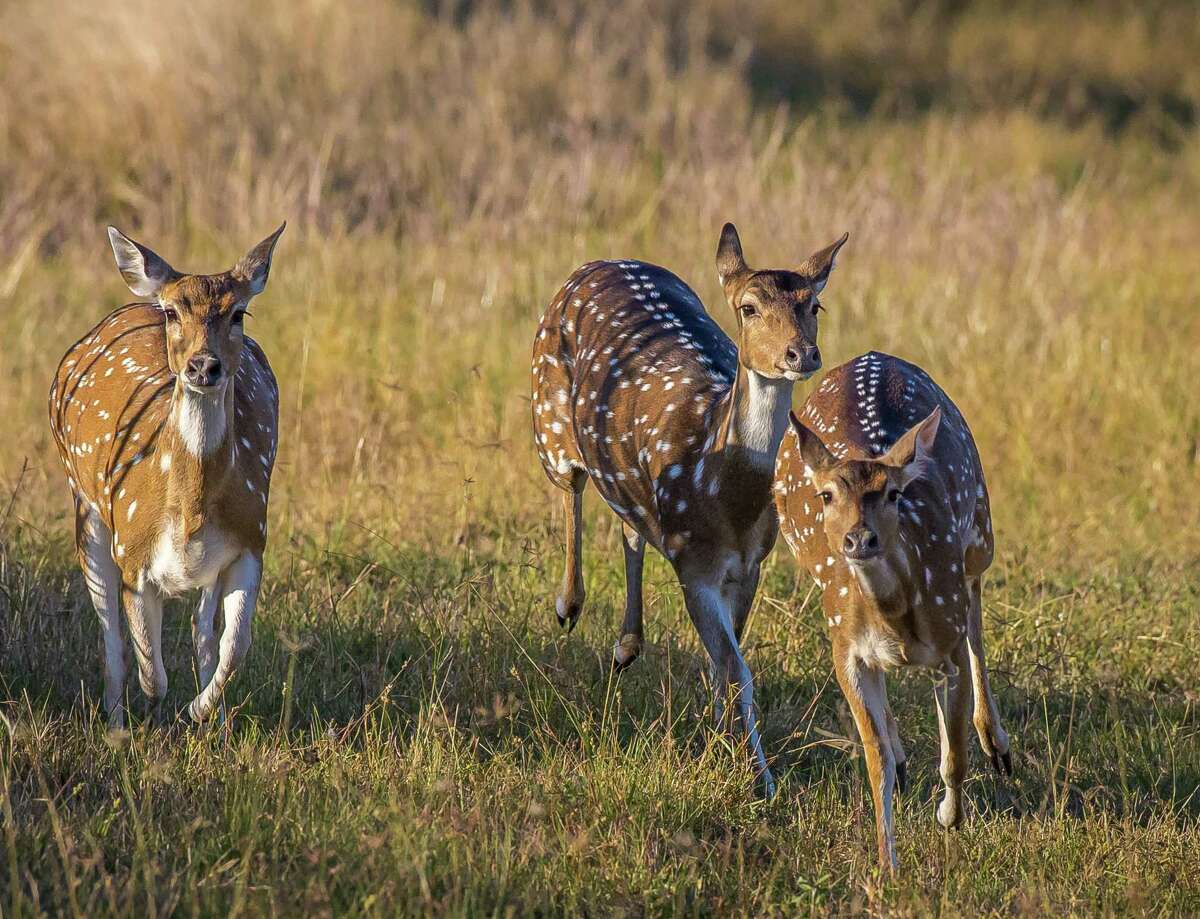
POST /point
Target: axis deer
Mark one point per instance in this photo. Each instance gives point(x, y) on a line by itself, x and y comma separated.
point(881, 496)
point(166, 420)
point(636, 389)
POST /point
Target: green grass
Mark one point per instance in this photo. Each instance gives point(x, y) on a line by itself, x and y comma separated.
point(415, 733)
point(412, 733)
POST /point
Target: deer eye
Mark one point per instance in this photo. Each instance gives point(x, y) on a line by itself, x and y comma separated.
point(893, 495)
point(239, 317)
point(816, 306)
point(170, 314)
point(826, 496)
point(747, 310)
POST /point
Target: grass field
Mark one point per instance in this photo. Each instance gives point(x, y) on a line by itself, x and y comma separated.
point(412, 733)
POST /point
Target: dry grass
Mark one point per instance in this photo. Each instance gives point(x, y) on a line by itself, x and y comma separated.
point(441, 747)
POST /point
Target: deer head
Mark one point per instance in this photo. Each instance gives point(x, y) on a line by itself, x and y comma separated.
point(776, 311)
point(861, 498)
point(202, 313)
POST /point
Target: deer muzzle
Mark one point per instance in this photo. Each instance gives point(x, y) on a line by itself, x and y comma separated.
point(203, 370)
point(861, 544)
point(801, 360)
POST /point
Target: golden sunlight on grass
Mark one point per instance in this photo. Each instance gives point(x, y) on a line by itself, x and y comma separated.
point(1018, 186)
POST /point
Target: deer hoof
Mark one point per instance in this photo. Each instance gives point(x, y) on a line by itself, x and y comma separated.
point(902, 777)
point(627, 649)
point(949, 812)
point(568, 612)
point(1003, 763)
point(768, 786)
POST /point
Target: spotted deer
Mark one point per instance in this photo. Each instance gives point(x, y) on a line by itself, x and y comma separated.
point(637, 390)
point(881, 496)
point(166, 419)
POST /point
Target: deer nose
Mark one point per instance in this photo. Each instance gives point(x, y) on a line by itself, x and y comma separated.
point(803, 358)
point(860, 544)
point(203, 369)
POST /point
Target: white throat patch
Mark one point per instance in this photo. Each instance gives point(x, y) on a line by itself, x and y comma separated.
point(761, 427)
point(199, 419)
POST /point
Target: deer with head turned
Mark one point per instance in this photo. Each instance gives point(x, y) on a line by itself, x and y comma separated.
point(638, 391)
point(166, 420)
point(881, 496)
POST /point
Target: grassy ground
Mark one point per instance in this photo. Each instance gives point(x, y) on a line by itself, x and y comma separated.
point(412, 732)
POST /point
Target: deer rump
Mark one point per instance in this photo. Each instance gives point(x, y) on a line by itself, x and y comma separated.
point(628, 367)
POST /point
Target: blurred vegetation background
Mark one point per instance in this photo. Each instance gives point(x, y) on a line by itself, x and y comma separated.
point(1020, 183)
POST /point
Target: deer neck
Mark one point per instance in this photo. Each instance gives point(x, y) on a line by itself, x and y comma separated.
point(198, 449)
point(757, 417)
point(751, 422)
point(885, 580)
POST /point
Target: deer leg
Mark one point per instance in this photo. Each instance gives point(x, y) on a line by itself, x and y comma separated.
point(745, 601)
point(103, 580)
point(143, 610)
point(953, 705)
point(204, 637)
point(897, 750)
point(992, 737)
point(629, 645)
point(239, 589)
point(866, 694)
point(740, 596)
point(569, 603)
point(709, 610)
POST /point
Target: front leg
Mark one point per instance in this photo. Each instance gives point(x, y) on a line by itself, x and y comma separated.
point(953, 696)
point(710, 613)
point(239, 588)
point(836, 613)
point(866, 694)
point(204, 638)
point(898, 752)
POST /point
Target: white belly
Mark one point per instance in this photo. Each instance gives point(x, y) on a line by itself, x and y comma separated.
point(177, 566)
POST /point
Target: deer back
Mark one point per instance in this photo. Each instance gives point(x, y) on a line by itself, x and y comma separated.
point(859, 411)
point(628, 369)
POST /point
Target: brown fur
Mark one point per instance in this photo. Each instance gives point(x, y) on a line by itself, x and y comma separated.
point(112, 436)
point(123, 429)
point(881, 452)
point(637, 390)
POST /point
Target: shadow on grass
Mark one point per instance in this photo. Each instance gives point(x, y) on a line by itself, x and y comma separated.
point(343, 637)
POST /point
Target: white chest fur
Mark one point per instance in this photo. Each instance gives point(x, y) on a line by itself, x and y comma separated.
point(177, 565)
point(877, 650)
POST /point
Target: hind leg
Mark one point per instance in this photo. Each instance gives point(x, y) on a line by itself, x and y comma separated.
point(569, 603)
point(144, 612)
point(629, 645)
point(103, 579)
point(992, 737)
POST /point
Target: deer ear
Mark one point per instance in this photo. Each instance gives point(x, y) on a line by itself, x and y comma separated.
point(730, 262)
point(812, 450)
point(913, 452)
point(819, 265)
point(255, 267)
point(143, 269)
